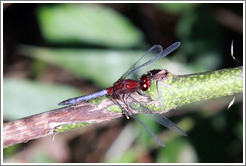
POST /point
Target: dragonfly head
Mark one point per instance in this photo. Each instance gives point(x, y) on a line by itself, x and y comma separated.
point(145, 83)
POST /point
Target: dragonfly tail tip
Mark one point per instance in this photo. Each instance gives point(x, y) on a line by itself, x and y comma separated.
point(184, 134)
point(61, 103)
point(178, 44)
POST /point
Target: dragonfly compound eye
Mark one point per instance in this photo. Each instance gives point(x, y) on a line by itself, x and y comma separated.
point(144, 87)
point(146, 83)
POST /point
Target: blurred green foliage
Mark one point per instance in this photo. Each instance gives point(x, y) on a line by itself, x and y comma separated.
point(11, 150)
point(91, 64)
point(89, 24)
point(177, 8)
point(32, 98)
point(107, 39)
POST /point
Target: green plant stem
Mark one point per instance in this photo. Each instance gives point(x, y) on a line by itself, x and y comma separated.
point(176, 90)
point(167, 92)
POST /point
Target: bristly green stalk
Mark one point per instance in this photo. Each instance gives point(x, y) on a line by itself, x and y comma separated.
point(70, 126)
point(175, 91)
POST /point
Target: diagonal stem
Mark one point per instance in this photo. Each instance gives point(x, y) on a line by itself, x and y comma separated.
point(182, 90)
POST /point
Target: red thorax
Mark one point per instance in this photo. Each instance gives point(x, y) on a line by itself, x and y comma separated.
point(129, 86)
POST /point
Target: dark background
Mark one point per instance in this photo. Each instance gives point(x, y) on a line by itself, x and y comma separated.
point(205, 31)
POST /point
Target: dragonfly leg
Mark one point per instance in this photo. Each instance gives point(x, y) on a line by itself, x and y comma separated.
point(141, 93)
point(123, 110)
point(74, 106)
point(126, 114)
point(53, 136)
point(159, 96)
point(166, 85)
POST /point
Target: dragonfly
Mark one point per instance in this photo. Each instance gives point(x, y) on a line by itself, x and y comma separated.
point(124, 87)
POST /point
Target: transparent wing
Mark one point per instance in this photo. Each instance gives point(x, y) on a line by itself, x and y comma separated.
point(148, 129)
point(168, 123)
point(143, 124)
point(158, 117)
point(158, 53)
point(155, 50)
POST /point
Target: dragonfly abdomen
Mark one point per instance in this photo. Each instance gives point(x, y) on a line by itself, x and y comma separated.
point(83, 98)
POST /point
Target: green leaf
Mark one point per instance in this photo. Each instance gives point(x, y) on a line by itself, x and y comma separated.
point(144, 137)
point(177, 8)
point(201, 35)
point(88, 24)
point(178, 151)
point(23, 98)
point(130, 156)
point(10, 151)
point(102, 67)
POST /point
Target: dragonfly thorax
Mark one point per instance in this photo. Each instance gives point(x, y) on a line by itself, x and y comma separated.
point(123, 87)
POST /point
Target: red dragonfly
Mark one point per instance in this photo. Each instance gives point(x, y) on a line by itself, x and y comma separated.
point(123, 88)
